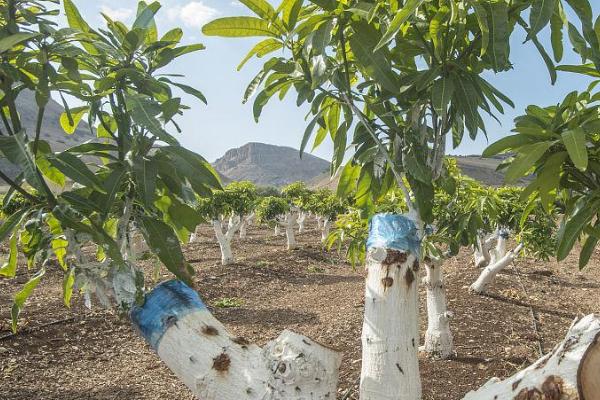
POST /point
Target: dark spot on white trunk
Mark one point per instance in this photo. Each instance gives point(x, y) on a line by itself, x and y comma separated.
point(221, 362)
point(209, 330)
point(387, 282)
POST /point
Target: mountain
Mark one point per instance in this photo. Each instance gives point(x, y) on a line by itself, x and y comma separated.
point(51, 129)
point(269, 165)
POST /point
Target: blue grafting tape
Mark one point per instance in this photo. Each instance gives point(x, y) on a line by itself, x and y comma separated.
point(164, 306)
point(393, 231)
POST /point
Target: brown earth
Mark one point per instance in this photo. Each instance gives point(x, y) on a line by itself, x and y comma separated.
point(94, 354)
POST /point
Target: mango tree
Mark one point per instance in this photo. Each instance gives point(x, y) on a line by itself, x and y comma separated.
point(277, 212)
point(298, 195)
point(235, 203)
point(405, 76)
point(326, 206)
point(134, 175)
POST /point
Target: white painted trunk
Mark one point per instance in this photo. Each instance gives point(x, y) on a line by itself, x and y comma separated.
point(325, 230)
point(570, 372)
point(390, 335)
point(500, 251)
point(215, 365)
point(301, 221)
point(243, 229)
point(439, 342)
point(289, 231)
point(319, 221)
point(277, 230)
point(490, 272)
point(224, 239)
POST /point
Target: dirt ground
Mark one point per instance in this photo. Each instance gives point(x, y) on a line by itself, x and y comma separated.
point(94, 354)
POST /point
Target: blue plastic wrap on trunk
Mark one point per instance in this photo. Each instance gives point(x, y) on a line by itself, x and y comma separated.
point(395, 232)
point(164, 306)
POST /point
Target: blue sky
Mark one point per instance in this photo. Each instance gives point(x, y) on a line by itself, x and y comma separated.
point(226, 122)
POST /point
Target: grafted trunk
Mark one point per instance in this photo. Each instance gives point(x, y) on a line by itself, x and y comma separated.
point(390, 368)
point(246, 221)
point(289, 225)
point(438, 337)
point(215, 365)
point(490, 272)
point(325, 229)
point(570, 372)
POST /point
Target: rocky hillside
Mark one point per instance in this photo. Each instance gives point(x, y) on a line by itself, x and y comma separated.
point(269, 165)
point(51, 130)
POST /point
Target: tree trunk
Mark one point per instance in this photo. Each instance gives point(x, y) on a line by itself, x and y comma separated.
point(277, 230)
point(225, 239)
point(246, 221)
point(215, 365)
point(570, 372)
point(289, 231)
point(325, 229)
point(390, 367)
point(301, 220)
point(319, 221)
point(490, 272)
point(439, 342)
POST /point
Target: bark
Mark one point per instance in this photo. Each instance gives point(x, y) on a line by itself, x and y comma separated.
point(390, 367)
point(319, 221)
point(570, 372)
point(277, 230)
point(439, 342)
point(482, 250)
point(325, 229)
point(490, 272)
point(246, 221)
point(215, 365)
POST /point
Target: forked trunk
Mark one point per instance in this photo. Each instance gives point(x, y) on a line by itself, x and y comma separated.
point(215, 365)
point(490, 272)
point(225, 239)
point(439, 342)
point(390, 367)
point(570, 372)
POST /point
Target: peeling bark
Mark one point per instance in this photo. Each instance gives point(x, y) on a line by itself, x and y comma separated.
point(570, 372)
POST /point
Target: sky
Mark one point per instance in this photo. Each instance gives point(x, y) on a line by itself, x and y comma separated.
point(227, 123)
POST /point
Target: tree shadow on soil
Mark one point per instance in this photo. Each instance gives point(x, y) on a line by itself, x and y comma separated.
point(535, 308)
point(105, 393)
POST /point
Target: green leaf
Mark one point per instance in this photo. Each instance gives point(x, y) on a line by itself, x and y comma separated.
point(9, 269)
point(557, 23)
point(507, 143)
point(348, 179)
point(499, 34)
point(69, 125)
point(528, 156)
point(10, 223)
point(400, 18)
point(587, 69)
point(8, 42)
point(309, 131)
point(143, 111)
point(145, 173)
point(68, 284)
point(76, 169)
point(261, 49)
point(572, 228)
point(145, 18)
point(261, 8)
point(187, 89)
point(575, 143)
point(482, 19)
point(16, 149)
point(291, 10)
point(587, 251)
point(240, 27)
point(539, 16)
point(112, 184)
point(77, 22)
point(375, 63)
point(165, 244)
point(23, 295)
point(441, 94)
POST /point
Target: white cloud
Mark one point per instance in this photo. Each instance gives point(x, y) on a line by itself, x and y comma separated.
point(119, 14)
point(193, 14)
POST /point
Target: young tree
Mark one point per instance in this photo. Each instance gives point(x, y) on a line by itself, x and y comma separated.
point(406, 76)
point(298, 195)
point(135, 175)
point(326, 206)
point(275, 212)
point(235, 203)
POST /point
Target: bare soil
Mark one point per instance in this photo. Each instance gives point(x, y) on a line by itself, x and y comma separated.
point(78, 353)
